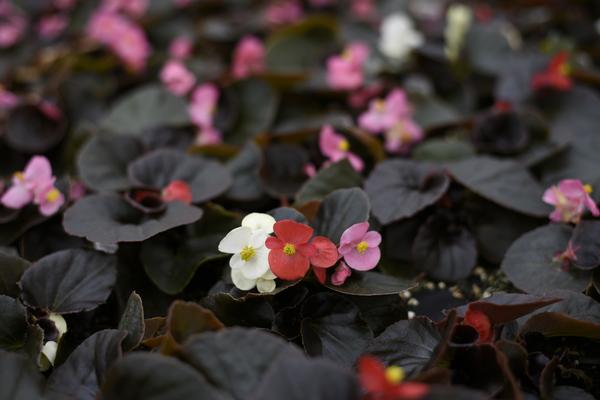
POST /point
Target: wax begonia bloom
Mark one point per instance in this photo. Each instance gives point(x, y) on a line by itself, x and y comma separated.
point(384, 383)
point(283, 12)
point(399, 37)
point(48, 198)
point(12, 25)
point(290, 250)
point(177, 190)
point(259, 222)
point(264, 284)
point(203, 105)
point(570, 199)
point(181, 48)
point(363, 9)
point(177, 78)
point(250, 255)
point(459, 18)
point(248, 57)
point(48, 353)
point(481, 323)
point(340, 274)
point(325, 256)
point(208, 135)
point(556, 76)
point(345, 71)
point(384, 114)
point(402, 136)
point(8, 100)
point(335, 147)
point(51, 26)
point(360, 247)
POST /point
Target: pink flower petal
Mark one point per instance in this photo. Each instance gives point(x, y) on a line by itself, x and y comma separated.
point(18, 196)
point(355, 233)
point(365, 261)
point(372, 238)
point(341, 273)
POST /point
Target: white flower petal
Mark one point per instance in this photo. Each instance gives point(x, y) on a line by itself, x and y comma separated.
point(269, 275)
point(259, 221)
point(236, 262)
point(235, 240)
point(240, 281)
point(49, 351)
point(265, 285)
point(257, 266)
point(258, 239)
point(59, 323)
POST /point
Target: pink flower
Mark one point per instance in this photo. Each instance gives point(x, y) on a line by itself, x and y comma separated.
point(336, 148)
point(177, 78)
point(248, 57)
point(12, 25)
point(64, 4)
point(125, 38)
point(570, 199)
point(207, 136)
point(48, 198)
point(8, 100)
point(310, 170)
point(204, 104)
point(177, 190)
point(384, 114)
point(360, 248)
point(402, 136)
point(283, 12)
point(345, 71)
point(52, 26)
point(341, 273)
point(133, 8)
point(181, 48)
point(566, 257)
point(50, 110)
point(363, 9)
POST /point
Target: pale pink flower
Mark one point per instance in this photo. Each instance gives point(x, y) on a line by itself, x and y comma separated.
point(203, 105)
point(64, 4)
point(335, 147)
point(570, 199)
point(341, 273)
point(177, 78)
point(345, 71)
point(51, 26)
point(133, 8)
point(402, 136)
point(310, 170)
point(248, 57)
point(360, 247)
point(384, 114)
point(181, 48)
point(207, 136)
point(8, 99)
point(12, 25)
point(48, 198)
point(283, 12)
point(363, 9)
point(50, 110)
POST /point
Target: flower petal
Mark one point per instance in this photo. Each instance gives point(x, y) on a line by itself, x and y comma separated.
point(274, 243)
point(259, 221)
point(38, 169)
point(16, 197)
point(265, 285)
point(365, 261)
point(326, 252)
point(235, 240)
point(291, 231)
point(372, 238)
point(321, 274)
point(240, 281)
point(256, 266)
point(355, 233)
point(341, 273)
point(287, 267)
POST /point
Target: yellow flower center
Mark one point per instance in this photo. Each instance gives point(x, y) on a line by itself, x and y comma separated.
point(362, 247)
point(565, 69)
point(247, 253)
point(344, 145)
point(289, 249)
point(394, 374)
point(588, 188)
point(53, 195)
point(19, 176)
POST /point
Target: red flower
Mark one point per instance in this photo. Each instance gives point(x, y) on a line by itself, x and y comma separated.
point(177, 190)
point(481, 323)
point(383, 383)
point(292, 254)
point(556, 76)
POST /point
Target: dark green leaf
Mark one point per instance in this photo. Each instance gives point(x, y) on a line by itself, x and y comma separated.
point(132, 322)
point(20, 379)
point(13, 323)
point(282, 213)
point(30, 131)
point(339, 175)
point(340, 210)
point(442, 150)
point(11, 270)
point(245, 169)
point(283, 170)
point(586, 243)
point(371, 284)
point(252, 311)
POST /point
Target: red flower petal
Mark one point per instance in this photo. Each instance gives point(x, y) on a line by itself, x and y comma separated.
point(274, 243)
point(478, 320)
point(321, 274)
point(306, 249)
point(410, 391)
point(177, 190)
point(292, 232)
point(371, 373)
point(288, 267)
point(326, 253)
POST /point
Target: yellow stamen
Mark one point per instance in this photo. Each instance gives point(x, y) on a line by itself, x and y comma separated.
point(362, 247)
point(565, 69)
point(53, 195)
point(19, 176)
point(344, 145)
point(247, 253)
point(289, 249)
point(588, 188)
point(394, 374)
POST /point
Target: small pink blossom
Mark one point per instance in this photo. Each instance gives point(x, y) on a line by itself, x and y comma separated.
point(310, 170)
point(363, 9)
point(12, 25)
point(335, 147)
point(360, 98)
point(360, 247)
point(384, 114)
point(341, 273)
point(248, 57)
point(181, 48)
point(203, 105)
point(51, 26)
point(345, 71)
point(48, 198)
point(570, 199)
point(208, 136)
point(50, 110)
point(283, 12)
point(177, 78)
point(8, 100)
point(133, 8)
point(400, 137)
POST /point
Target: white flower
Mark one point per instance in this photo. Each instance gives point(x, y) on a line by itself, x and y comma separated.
point(458, 21)
point(399, 37)
point(48, 355)
point(264, 284)
point(59, 323)
point(259, 222)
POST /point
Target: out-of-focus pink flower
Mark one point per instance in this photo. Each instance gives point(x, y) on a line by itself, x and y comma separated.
point(48, 198)
point(12, 25)
point(208, 135)
point(335, 147)
point(51, 26)
point(345, 71)
point(64, 4)
point(566, 257)
point(283, 12)
point(248, 57)
point(310, 170)
point(177, 78)
point(50, 110)
point(363, 9)
point(181, 48)
point(360, 247)
point(8, 100)
point(341, 273)
point(177, 190)
point(133, 8)
point(125, 38)
point(570, 199)
point(384, 114)
point(401, 137)
point(203, 105)
point(359, 98)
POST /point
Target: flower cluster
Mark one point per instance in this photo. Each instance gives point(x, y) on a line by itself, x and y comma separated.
point(335, 147)
point(345, 71)
point(264, 250)
point(202, 109)
point(12, 25)
point(283, 12)
point(570, 198)
point(34, 184)
point(381, 383)
point(392, 116)
point(248, 57)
